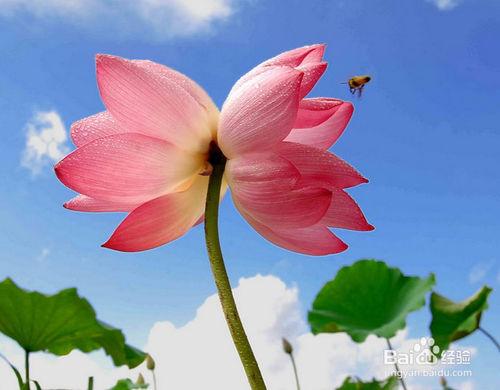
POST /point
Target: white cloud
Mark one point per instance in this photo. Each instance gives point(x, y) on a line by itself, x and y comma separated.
point(45, 8)
point(45, 141)
point(480, 270)
point(468, 385)
point(445, 5)
point(44, 253)
point(200, 354)
point(162, 18)
point(180, 17)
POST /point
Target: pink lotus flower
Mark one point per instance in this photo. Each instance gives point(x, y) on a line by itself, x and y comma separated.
point(148, 153)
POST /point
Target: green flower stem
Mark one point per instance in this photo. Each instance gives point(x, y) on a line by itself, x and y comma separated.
point(491, 337)
point(398, 371)
point(155, 387)
point(219, 272)
point(295, 371)
point(90, 385)
point(27, 369)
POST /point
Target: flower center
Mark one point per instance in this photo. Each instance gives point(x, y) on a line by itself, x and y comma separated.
point(215, 158)
point(215, 155)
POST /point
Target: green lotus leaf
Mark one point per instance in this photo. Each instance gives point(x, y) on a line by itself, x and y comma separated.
point(390, 383)
point(127, 384)
point(366, 298)
point(455, 320)
point(60, 323)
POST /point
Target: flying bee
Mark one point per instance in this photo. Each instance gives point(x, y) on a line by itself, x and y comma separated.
point(357, 83)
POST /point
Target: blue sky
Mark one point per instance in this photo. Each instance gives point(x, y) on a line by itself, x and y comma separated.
point(425, 133)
